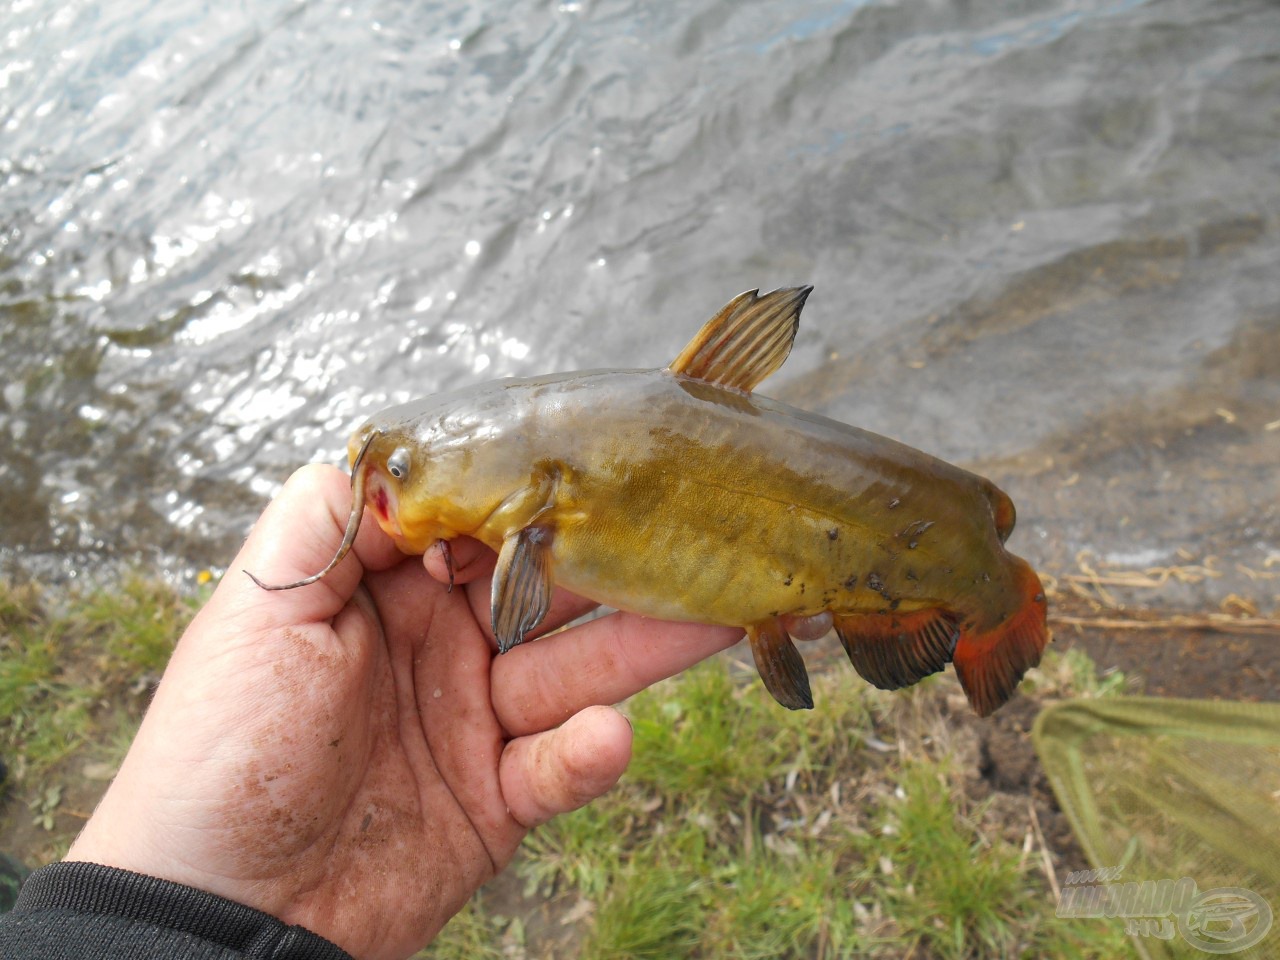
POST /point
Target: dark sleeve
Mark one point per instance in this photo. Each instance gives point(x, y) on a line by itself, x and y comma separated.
point(84, 911)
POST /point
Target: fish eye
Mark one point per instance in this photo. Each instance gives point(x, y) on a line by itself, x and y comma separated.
point(398, 463)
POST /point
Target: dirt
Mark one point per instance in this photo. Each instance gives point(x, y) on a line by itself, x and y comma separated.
point(1187, 663)
point(1009, 769)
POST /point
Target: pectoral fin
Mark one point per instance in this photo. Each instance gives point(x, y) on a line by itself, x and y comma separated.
point(780, 665)
point(522, 585)
point(746, 341)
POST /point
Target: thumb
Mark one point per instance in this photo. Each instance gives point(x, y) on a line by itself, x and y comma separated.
point(298, 535)
point(550, 773)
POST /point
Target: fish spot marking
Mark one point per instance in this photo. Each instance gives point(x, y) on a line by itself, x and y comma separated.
point(912, 532)
point(874, 582)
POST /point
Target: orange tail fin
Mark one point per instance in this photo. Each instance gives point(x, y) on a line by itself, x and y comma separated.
point(990, 664)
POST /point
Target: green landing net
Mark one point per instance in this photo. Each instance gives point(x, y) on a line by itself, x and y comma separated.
point(1177, 805)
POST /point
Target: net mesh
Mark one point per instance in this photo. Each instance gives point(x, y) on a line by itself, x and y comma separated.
point(1164, 789)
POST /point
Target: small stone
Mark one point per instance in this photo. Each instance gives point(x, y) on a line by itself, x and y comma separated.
point(98, 771)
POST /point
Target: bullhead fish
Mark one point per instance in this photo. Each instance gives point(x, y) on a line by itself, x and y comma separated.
point(681, 494)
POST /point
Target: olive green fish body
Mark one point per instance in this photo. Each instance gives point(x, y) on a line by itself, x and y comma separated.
point(679, 499)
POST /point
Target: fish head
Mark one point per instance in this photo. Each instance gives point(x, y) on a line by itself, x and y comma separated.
point(426, 472)
point(431, 470)
point(396, 473)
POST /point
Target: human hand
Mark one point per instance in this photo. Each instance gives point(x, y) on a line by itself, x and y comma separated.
point(351, 756)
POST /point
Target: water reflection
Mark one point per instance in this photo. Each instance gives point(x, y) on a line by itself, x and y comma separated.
point(1043, 237)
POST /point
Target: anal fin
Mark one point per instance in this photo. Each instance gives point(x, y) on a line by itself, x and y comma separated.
point(522, 585)
point(780, 665)
point(893, 650)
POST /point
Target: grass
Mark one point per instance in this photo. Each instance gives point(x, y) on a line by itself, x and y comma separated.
point(474, 934)
point(740, 830)
point(74, 680)
point(958, 892)
point(1072, 673)
point(743, 830)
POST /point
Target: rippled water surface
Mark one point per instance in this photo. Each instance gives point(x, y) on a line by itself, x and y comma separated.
point(1045, 238)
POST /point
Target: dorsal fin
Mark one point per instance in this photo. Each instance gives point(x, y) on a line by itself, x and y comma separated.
point(746, 341)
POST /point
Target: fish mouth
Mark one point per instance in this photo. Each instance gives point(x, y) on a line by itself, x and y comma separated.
point(381, 499)
point(411, 533)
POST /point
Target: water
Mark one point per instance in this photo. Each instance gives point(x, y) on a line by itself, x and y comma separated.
point(1045, 238)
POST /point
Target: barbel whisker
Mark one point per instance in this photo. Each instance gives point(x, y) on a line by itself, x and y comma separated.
point(358, 475)
point(447, 552)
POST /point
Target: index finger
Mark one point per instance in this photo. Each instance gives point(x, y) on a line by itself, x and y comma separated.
point(474, 576)
point(542, 683)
